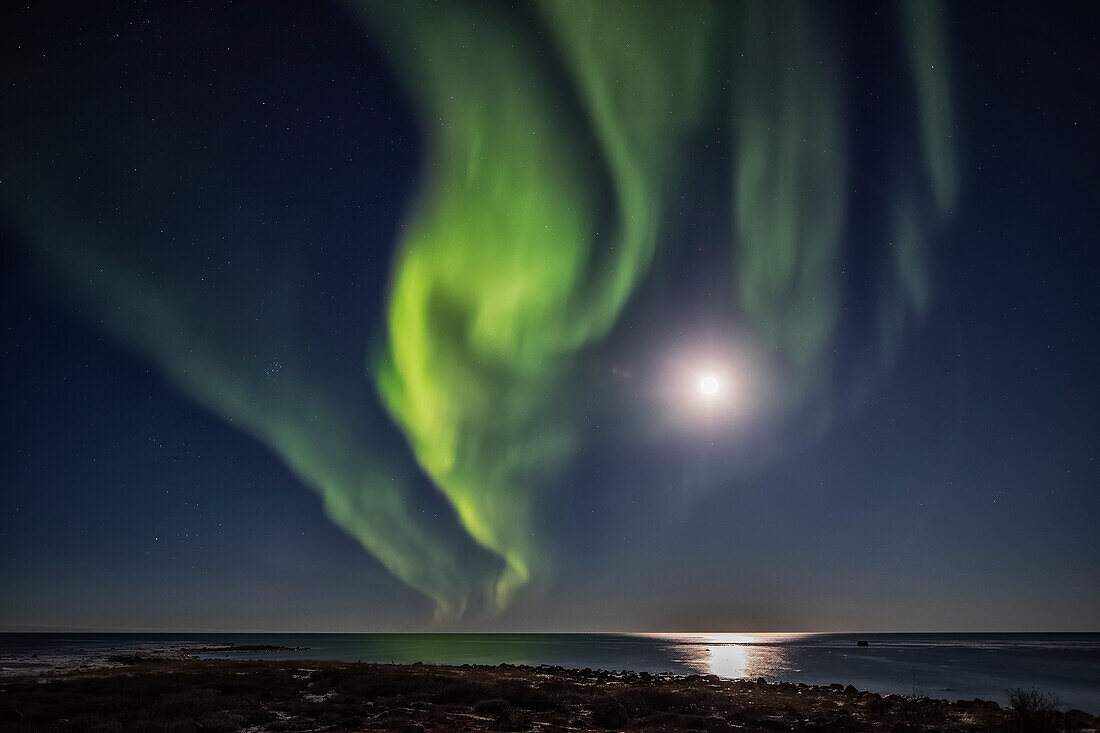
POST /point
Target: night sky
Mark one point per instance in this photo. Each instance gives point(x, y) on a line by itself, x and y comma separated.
point(404, 316)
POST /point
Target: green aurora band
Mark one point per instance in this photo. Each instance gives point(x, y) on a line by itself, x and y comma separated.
point(789, 183)
point(504, 272)
point(216, 338)
point(555, 133)
point(925, 38)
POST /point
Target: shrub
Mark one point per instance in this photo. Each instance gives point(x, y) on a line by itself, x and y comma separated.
point(1034, 711)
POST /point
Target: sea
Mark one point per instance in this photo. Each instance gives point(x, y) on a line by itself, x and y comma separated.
point(948, 666)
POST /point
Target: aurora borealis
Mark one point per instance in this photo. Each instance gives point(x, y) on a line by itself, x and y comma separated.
point(433, 259)
point(504, 276)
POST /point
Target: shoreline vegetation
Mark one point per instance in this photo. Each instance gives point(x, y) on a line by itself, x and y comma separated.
point(171, 694)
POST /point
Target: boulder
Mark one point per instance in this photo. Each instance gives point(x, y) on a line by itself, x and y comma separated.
point(610, 715)
point(492, 706)
point(1077, 719)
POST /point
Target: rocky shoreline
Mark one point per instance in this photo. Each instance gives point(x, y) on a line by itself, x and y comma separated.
point(226, 695)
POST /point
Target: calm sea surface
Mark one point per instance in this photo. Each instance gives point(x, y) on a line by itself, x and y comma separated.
point(952, 666)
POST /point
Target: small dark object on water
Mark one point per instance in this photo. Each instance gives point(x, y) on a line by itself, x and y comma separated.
point(862, 642)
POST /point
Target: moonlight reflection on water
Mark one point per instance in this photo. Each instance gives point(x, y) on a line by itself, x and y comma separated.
point(731, 655)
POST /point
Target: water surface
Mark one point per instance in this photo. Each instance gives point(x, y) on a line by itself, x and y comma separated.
point(952, 666)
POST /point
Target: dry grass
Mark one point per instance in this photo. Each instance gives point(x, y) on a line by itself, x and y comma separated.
point(217, 695)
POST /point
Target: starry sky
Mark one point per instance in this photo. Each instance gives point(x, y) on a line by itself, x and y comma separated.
point(393, 316)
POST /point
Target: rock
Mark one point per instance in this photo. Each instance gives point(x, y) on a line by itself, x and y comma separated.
point(492, 706)
point(862, 642)
point(1076, 719)
point(837, 686)
point(879, 706)
point(14, 716)
point(905, 728)
point(412, 728)
point(851, 690)
point(761, 681)
point(849, 722)
point(218, 724)
point(610, 715)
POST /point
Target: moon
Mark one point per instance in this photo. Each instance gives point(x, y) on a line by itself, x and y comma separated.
point(709, 386)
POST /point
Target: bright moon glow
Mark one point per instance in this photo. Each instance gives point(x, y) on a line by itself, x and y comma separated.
point(705, 386)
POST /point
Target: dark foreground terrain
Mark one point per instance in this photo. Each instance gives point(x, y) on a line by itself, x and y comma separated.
point(215, 695)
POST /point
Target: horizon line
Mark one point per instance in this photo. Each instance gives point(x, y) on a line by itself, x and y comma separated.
point(42, 629)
